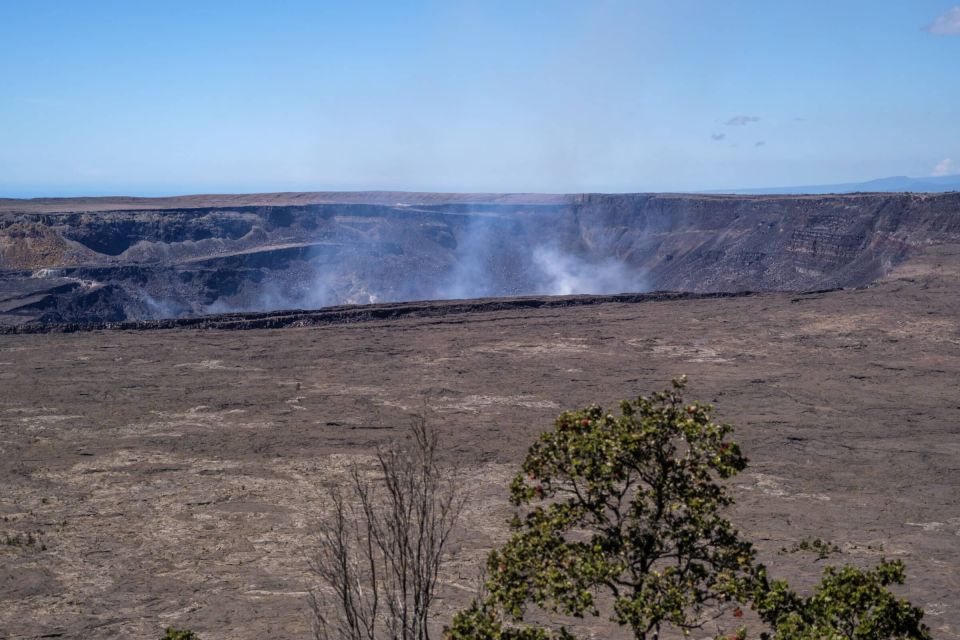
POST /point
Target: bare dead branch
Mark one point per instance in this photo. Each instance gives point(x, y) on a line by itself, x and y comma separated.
point(381, 549)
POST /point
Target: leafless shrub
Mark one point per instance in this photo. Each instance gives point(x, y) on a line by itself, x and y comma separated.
point(382, 547)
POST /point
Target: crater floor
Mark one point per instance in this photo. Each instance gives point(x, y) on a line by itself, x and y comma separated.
point(172, 476)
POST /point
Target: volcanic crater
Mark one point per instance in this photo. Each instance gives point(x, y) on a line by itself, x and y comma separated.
point(171, 464)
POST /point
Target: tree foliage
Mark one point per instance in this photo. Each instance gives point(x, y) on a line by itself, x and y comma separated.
point(627, 505)
point(848, 604)
point(624, 512)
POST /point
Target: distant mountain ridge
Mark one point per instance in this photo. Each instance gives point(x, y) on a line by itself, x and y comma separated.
point(894, 184)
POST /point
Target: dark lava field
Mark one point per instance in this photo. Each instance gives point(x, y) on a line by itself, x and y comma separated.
point(171, 466)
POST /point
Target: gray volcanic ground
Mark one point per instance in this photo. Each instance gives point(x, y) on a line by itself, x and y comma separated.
point(173, 476)
point(94, 260)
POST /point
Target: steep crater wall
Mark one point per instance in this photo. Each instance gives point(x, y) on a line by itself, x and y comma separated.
point(61, 263)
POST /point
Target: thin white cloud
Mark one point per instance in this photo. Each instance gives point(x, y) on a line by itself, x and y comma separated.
point(946, 167)
point(946, 25)
point(740, 121)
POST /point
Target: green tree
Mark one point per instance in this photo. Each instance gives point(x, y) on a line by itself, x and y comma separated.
point(848, 604)
point(627, 505)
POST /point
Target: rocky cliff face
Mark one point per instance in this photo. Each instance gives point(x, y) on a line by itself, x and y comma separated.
point(71, 260)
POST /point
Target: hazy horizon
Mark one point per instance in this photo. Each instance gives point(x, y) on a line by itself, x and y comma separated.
point(934, 184)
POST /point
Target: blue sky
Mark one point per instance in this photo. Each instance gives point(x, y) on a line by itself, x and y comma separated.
point(149, 98)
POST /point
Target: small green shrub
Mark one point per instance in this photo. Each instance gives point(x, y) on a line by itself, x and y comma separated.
point(176, 634)
point(29, 541)
point(823, 548)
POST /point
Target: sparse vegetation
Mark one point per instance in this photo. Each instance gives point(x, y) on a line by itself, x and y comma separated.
point(383, 545)
point(823, 548)
point(28, 540)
